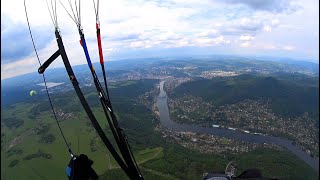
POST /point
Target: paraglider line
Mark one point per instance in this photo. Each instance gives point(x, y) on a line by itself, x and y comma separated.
point(45, 82)
point(68, 13)
point(50, 13)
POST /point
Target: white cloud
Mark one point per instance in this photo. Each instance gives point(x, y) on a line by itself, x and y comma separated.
point(267, 28)
point(211, 41)
point(246, 38)
point(288, 48)
point(172, 23)
point(269, 46)
point(245, 44)
point(169, 35)
point(29, 64)
point(141, 44)
point(275, 22)
point(183, 42)
point(250, 24)
point(208, 33)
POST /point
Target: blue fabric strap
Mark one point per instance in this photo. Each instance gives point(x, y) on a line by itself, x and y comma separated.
point(68, 171)
point(84, 46)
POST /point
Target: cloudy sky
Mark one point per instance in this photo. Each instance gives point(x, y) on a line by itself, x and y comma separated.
point(141, 28)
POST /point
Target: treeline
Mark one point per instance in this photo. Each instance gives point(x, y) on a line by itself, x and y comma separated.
point(12, 122)
point(132, 90)
point(39, 154)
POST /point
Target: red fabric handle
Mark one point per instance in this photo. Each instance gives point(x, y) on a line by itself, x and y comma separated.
point(99, 44)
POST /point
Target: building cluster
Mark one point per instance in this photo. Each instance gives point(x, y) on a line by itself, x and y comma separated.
point(63, 115)
point(173, 82)
point(205, 143)
point(212, 74)
point(249, 116)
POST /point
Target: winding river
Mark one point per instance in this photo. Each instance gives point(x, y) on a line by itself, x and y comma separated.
point(236, 135)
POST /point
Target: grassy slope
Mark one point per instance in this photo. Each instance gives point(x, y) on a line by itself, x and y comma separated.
point(74, 129)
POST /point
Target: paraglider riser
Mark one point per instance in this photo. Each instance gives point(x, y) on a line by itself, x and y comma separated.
point(87, 108)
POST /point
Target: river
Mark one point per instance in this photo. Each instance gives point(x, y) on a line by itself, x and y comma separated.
point(236, 135)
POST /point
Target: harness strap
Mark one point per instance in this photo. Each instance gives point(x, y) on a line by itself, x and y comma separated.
point(79, 168)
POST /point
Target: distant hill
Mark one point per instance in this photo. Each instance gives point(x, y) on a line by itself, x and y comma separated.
point(287, 97)
point(17, 89)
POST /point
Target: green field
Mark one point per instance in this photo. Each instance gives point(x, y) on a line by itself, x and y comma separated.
point(26, 154)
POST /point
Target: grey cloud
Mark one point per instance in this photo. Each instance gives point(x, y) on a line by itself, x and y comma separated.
point(16, 42)
point(164, 3)
point(239, 31)
point(126, 37)
point(233, 31)
point(276, 6)
point(251, 27)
